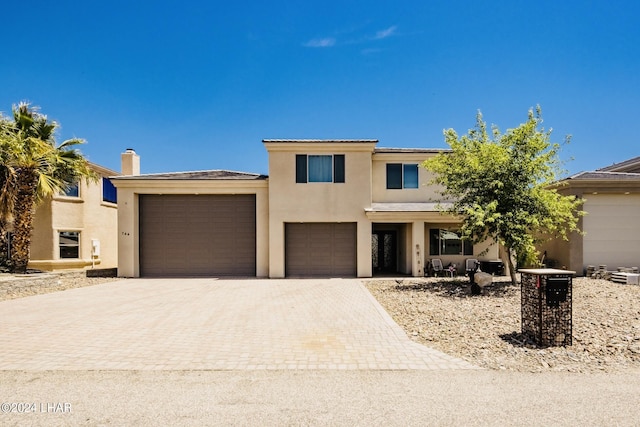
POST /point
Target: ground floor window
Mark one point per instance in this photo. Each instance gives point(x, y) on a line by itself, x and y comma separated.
point(69, 244)
point(448, 242)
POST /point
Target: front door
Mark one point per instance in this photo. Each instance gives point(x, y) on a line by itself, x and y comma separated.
point(384, 250)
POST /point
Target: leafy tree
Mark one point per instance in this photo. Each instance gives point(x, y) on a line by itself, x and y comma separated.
point(6, 195)
point(33, 168)
point(499, 184)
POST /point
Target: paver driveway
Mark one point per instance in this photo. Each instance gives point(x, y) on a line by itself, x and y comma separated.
point(209, 324)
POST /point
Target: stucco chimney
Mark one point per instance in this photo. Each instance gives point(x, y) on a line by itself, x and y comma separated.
point(130, 162)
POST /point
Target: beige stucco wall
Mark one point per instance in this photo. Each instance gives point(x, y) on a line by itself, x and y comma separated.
point(559, 253)
point(128, 214)
point(483, 251)
point(319, 202)
point(424, 193)
point(87, 214)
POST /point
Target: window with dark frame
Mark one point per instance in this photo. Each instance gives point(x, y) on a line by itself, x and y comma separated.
point(69, 244)
point(320, 168)
point(109, 191)
point(401, 175)
point(448, 242)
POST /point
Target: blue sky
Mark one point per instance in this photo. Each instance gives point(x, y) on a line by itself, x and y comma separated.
point(197, 85)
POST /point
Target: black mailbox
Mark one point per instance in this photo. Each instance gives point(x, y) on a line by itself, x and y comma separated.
point(556, 290)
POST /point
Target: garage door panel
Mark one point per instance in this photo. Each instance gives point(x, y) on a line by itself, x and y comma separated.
point(204, 235)
point(612, 230)
point(320, 249)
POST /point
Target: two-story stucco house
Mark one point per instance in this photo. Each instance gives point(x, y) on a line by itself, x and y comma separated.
point(331, 208)
point(78, 229)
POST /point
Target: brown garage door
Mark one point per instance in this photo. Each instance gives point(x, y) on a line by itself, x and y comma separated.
point(320, 249)
point(197, 235)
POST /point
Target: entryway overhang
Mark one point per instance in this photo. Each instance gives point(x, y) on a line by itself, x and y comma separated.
point(408, 212)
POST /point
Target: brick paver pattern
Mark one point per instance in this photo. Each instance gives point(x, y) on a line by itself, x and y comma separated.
point(209, 324)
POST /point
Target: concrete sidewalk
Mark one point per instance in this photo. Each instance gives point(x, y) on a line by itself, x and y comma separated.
point(209, 324)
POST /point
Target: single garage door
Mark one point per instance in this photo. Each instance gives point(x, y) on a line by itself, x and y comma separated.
point(612, 230)
point(197, 235)
point(320, 249)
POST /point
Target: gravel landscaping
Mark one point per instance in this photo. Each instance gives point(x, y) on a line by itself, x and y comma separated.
point(18, 286)
point(486, 331)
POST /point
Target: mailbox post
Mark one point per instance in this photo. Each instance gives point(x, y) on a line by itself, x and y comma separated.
point(547, 306)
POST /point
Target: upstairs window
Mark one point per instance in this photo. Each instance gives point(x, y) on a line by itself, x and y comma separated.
point(402, 176)
point(109, 192)
point(72, 191)
point(448, 242)
point(320, 168)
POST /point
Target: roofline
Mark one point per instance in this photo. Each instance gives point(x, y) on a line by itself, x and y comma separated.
point(623, 164)
point(320, 141)
point(102, 169)
point(604, 175)
point(250, 175)
point(607, 182)
point(412, 150)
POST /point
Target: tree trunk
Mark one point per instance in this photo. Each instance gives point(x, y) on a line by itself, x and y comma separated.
point(4, 246)
point(23, 219)
point(512, 270)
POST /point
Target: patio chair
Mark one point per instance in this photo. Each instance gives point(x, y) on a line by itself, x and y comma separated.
point(471, 265)
point(436, 266)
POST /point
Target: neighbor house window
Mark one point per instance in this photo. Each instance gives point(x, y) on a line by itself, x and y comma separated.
point(320, 168)
point(448, 242)
point(401, 175)
point(72, 191)
point(109, 193)
point(69, 244)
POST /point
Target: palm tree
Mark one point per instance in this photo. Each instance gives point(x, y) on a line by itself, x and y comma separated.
point(37, 169)
point(7, 197)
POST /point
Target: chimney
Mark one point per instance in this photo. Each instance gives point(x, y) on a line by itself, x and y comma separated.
point(130, 162)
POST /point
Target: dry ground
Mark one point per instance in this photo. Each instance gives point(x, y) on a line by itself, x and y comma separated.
point(485, 330)
point(18, 286)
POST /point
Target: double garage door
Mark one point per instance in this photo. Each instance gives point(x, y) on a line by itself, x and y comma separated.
point(197, 235)
point(320, 249)
point(215, 235)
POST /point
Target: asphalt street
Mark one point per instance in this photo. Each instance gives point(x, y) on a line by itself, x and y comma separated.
point(323, 398)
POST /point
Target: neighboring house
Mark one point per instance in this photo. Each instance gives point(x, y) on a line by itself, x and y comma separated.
point(329, 208)
point(79, 228)
point(612, 223)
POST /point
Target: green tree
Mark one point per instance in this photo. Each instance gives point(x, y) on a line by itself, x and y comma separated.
point(500, 186)
point(7, 197)
point(34, 168)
